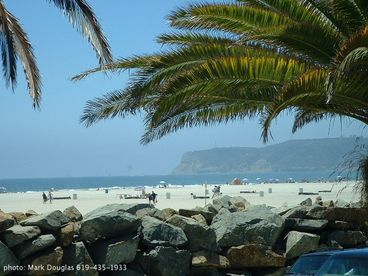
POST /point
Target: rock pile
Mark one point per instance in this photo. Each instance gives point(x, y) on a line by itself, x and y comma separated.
point(228, 236)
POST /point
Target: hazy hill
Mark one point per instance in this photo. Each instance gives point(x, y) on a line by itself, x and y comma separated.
point(294, 155)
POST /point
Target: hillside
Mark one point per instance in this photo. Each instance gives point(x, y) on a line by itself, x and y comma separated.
point(294, 155)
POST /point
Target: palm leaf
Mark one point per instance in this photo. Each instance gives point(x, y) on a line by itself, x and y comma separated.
point(14, 42)
point(82, 17)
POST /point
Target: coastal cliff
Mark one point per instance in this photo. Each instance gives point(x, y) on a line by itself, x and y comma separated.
point(293, 155)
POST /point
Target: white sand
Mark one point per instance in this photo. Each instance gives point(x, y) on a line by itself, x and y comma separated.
point(87, 200)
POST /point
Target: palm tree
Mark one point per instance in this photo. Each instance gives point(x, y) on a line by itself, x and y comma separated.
point(243, 59)
point(15, 44)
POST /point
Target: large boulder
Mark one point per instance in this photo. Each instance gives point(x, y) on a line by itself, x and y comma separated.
point(114, 251)
point(7, 260)
point(305, 224)
point(209, 260)
point(199, 236)
point(192, 212)
point(49, 221)
point(6, 221)
point(132, 208)
point(163, 214)
point(73, 213)
point(298, 243)
point(108, 222)
point(296, 212)
point(17, 234)
point(18, 216)
point(166, 261)
point(45, 263)
point(76, 255)
point(222, 202)
point(254, 255)
point(30, 247)
point(156, 233)
point(347, 239)
point(260, 226)
point(341, 225)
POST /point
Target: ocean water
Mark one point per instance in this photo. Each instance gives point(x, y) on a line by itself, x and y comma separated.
point(44, 184)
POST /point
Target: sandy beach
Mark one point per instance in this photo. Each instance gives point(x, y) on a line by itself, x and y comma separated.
point(283, 194)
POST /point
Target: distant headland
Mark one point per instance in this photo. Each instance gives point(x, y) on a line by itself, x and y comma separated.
point(293, 155)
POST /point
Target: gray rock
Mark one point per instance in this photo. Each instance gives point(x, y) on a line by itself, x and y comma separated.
point(48, 221)
point(318, 201)
point(296, 212)
point(305, 224)
point(77, 255)
point(210, 208)
point(347, 239)
point(30, 247)
point(18, 216)
point(201, 219)
point(259, 226)
point(316, 212)
point(209, 260)
point(222, 202)
point(108, 222)
point(340, 203)
point(129, 208)
point(328, 204)
point(218, 217)
point(254, 255)
point(199, 236)
point(163, 214)
point(306, 202)
point(73, 213)
point(66, 235)
point(155, 233)
point(17, 234)
point(188, 213)
point(6, 221)
point(45, 263)
point(240, 203)
point(114, 251)
point(298, 243)
point(30, 213)
point(166, 261)
point(7, 258)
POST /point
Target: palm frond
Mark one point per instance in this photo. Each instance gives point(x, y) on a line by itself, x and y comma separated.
point(82, 17)
point(14, 43)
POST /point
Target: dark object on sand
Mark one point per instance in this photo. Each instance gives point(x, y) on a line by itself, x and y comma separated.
point(198, 197)
point(307, 193)
point(61, 197)
point(248, 192)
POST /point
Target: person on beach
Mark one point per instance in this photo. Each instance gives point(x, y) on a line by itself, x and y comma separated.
point(152, 198)
point(44, 196)
point(50, 196)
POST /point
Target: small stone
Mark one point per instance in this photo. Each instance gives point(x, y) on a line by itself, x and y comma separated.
point(210, 260)
point(66, 235)
point(318, 200)
point(30, 213)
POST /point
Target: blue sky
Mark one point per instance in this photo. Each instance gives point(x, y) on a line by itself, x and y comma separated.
point(51, 142)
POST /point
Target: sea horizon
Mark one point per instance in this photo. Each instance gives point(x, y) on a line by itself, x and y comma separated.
point(89, 182)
